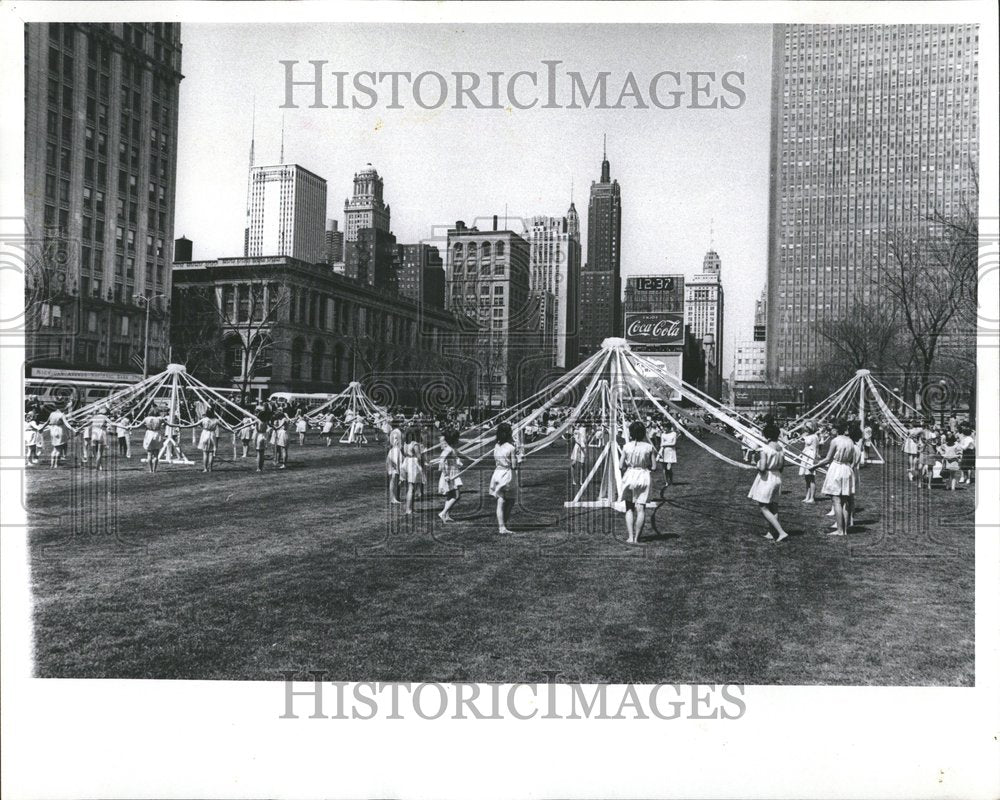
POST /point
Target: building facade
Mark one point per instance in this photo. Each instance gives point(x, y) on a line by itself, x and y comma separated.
point(555, 269)
point(287, 213)
point(874, 128)
point(100, 164)
point(420, 273)
point(334, 242)
point(703, 313)
point(488, 282)
point(366, 208)
point(275, 323)
point(600, 280)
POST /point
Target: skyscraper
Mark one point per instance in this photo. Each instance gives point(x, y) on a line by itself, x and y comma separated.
point(334, 242)
point(487, 280)
point(554, 269)
point(100, 163)
point(600, 281)
point(874, 128)
point(365, 209)
point(369, 246)
point(420, 273)
point(287, 213)
point(703, 313)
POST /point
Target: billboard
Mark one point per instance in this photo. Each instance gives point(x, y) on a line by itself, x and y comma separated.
point(654, 327)
point(670, 363)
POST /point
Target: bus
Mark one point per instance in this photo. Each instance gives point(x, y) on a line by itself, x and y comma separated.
point(57, 393)
point(306, 402)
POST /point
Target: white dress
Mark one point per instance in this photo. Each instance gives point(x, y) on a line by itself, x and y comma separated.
point(578, 455)
point(502, 482)
point(410, 470)
point(767, 487)
point(207, 440)
point(450, 464)
point(640, 460)
point(153, 437)
point(841, 479)
point(668, 448)
point(809, 453)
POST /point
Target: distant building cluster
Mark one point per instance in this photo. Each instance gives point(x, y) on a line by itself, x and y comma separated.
point(874, 128)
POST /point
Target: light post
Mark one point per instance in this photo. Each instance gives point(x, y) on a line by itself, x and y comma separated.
point(709, 344)
point(943, 384)
point(899, 408)
point(145, 340)
point(809, 395)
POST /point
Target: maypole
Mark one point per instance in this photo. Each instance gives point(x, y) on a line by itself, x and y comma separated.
point(171, 451)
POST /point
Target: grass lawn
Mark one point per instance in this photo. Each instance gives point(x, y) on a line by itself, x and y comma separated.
point(235, 575)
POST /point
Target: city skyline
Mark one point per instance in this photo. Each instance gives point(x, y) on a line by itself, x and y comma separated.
point(681, 168)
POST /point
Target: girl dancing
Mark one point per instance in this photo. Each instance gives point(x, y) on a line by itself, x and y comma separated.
point(767, 484)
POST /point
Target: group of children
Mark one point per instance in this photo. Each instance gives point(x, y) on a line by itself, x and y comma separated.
point(934, 452)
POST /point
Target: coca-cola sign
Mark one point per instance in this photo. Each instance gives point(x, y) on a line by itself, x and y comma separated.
point(661, 327)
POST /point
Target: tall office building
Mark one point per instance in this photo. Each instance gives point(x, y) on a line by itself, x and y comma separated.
point(600, 280)
point(100, 163)
point(420, 273)
point(554, 269)
point(334, 242)
point(488, 282)
point(760, 317)
point(369, 246)
point(287, 213)
point(703, 313)
point(365, 209)
point(874, 128)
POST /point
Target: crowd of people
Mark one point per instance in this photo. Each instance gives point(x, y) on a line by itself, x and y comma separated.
point(648, 445)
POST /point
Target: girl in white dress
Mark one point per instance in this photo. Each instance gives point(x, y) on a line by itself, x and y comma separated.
point(412, 469)
point(32, 437)
point(58, 429)
point(911, 447)
point(280, 438)
point(394, 463)
point(449, 484)
point(810, 452)
point(260, 438)
point(328, 422)
point(767, 485)
point(358, 431)
point(246, 436)
point(300, 427)
point(502, 484)
point(99, 434)
point(578, 455)
point(668, 452)
point(209, 424)
point(840, 477)
point(152, 440)
point(639, 458)
point(123, 429)
point(967, 441)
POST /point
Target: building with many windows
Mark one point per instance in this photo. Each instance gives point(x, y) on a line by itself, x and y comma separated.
point(874, 129)
point(703, 313)
point(275, 323)
point(100, 163)
point(287, 213)
point(488, 282)
point(555, 270)
point(600, 280)
point(420, 273)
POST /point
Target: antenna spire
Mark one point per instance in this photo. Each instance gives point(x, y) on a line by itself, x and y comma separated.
point(253, 128)
point(604, 156)
point(282, 160)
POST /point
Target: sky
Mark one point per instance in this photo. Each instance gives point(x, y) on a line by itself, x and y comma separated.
point(689, 177)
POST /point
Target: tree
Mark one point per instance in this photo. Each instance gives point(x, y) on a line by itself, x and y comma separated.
point(866, 339)
point(931, 279)
point(237, 321)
